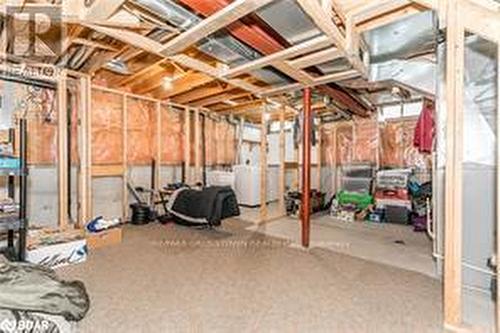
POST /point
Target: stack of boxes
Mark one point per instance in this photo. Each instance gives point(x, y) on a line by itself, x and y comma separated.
point(392, 197)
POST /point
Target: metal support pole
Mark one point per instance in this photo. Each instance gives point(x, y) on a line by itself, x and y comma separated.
point(306, 169)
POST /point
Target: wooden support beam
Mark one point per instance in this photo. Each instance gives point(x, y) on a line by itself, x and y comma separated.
point(241, 108)
point(453, 183)
point(263, 164)
point(187, 145)
point(101, 10)
point(275, 58)
point(282, 171)
point(328, 78)
point(151, 46)
point(125, 208)
point(94, 44)
point(316, 58)
point(62, 149)
point(197, 146)
point(112, 170)
point(296, 74)
point(318, 161)
point(481, 18)
point(241, 131)
point(159, 147)
point(323, 21)
point(372, 9)
point(498, 195)
point(213, 23)
point(220, 98)
point(201, 93)
point(144, 72)
point(184, 84)
point(84, 170)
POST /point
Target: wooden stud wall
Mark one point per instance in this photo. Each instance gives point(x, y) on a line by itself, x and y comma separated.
point(282, 170)
point(498, 193)
point(62, 147)
point(187, 145)
point(453, 187)
point(263, 166)
point(84, 172)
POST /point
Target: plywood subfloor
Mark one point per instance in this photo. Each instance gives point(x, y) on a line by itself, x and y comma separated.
point(174, 279)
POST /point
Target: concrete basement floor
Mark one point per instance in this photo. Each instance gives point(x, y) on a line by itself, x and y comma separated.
point(391, 244)
point(175, 279)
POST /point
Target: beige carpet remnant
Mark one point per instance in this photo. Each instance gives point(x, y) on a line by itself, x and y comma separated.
point(175, 279)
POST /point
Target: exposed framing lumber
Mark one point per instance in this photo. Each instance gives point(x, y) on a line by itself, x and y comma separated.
point(219, 98)
point(84, 172)
point(263, 211)
point(317, 58)
point(328, 78)
point(197, 95)
point(374, 9)
point(62, 150)
point(159, 147)
point(220, 19)
point(318, 156)
point(282, 170)
point(238, 109)
point(93, 44)
point(183, 84)
point(141, 73)
point(323, 21)
point(187, 145)
point(498, 196)
point(497, 314)
point(197, 146)
point(152, 47)
point(275, 58)
point(103, 9)
point(239, 147)
point(125, 158)
point(296, 74)
point(112, 170)
point(453, 183)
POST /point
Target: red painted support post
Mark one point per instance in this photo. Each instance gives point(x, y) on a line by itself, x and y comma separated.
point(306, 169)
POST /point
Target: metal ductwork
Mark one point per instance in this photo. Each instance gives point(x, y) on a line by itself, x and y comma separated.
point(395, 51)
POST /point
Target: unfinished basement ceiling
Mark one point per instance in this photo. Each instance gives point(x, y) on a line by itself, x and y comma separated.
point(220, 45)
point(295, 26)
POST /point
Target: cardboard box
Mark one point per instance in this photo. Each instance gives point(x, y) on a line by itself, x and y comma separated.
point(58, 255)
point(104, 238)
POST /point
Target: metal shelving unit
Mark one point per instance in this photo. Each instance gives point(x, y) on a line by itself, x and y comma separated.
point(17, 221)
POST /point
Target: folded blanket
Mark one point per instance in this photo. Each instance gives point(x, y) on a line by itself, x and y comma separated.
point(210, 205)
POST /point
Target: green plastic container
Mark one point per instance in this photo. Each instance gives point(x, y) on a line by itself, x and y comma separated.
point(361, 200)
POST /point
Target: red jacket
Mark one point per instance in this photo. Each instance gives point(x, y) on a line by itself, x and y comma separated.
point(424, 131)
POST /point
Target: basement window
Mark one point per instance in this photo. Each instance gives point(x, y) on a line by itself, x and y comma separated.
point(395, 111)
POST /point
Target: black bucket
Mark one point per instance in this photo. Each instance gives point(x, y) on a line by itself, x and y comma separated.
point(141, 214)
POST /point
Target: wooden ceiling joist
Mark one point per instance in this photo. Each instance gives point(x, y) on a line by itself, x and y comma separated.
point(183, 84)
point(213, 23)
point(219, 98)
point(325, 79)
point(201, 93)
point(101, 10)
point(274, 58)
point(316, 58)
point(143, 73)
point(239, 109)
